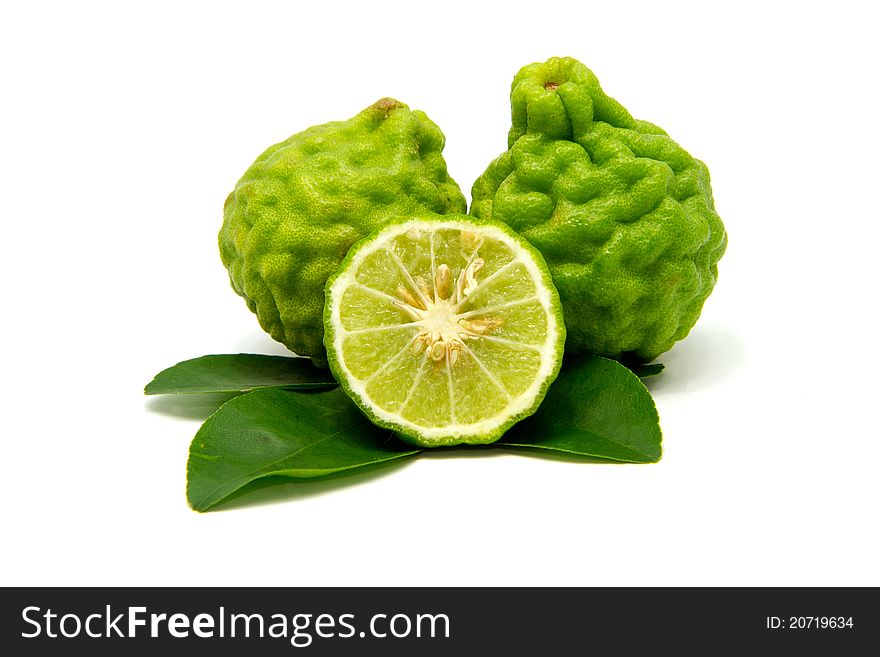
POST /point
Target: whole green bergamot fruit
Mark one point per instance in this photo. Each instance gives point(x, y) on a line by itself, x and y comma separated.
point(294, 214)
point(623, 215)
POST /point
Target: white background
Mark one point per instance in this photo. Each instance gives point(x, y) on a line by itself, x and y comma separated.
point(123, 129)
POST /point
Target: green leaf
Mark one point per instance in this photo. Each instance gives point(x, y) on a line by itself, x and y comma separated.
point(274, 432)
point(644, 371)
point(639, 367)
point(238, 373)
point(595, 408)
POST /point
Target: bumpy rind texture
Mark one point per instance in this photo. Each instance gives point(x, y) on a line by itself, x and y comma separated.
point(622, 214)
point(294, 214)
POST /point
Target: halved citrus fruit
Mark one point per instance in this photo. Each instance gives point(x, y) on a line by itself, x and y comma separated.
point(443, 329)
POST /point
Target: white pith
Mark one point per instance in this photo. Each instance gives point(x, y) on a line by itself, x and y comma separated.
point(439, 319)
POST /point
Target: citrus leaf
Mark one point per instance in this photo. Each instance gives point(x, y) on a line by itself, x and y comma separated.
point(238, 373)
point(273, 432)
point(596, 408)
point(644, 371)
point(638, 366)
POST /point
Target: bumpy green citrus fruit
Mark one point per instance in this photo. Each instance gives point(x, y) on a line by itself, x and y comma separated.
point(296, 211)
point(444, 329)
point(622, 214)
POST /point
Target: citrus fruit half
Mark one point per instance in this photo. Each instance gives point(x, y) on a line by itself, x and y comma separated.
point(444, 330)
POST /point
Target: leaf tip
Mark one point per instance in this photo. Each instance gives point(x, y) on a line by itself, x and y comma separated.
point(197, 504)
point(198, 507)
point(654, 456)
